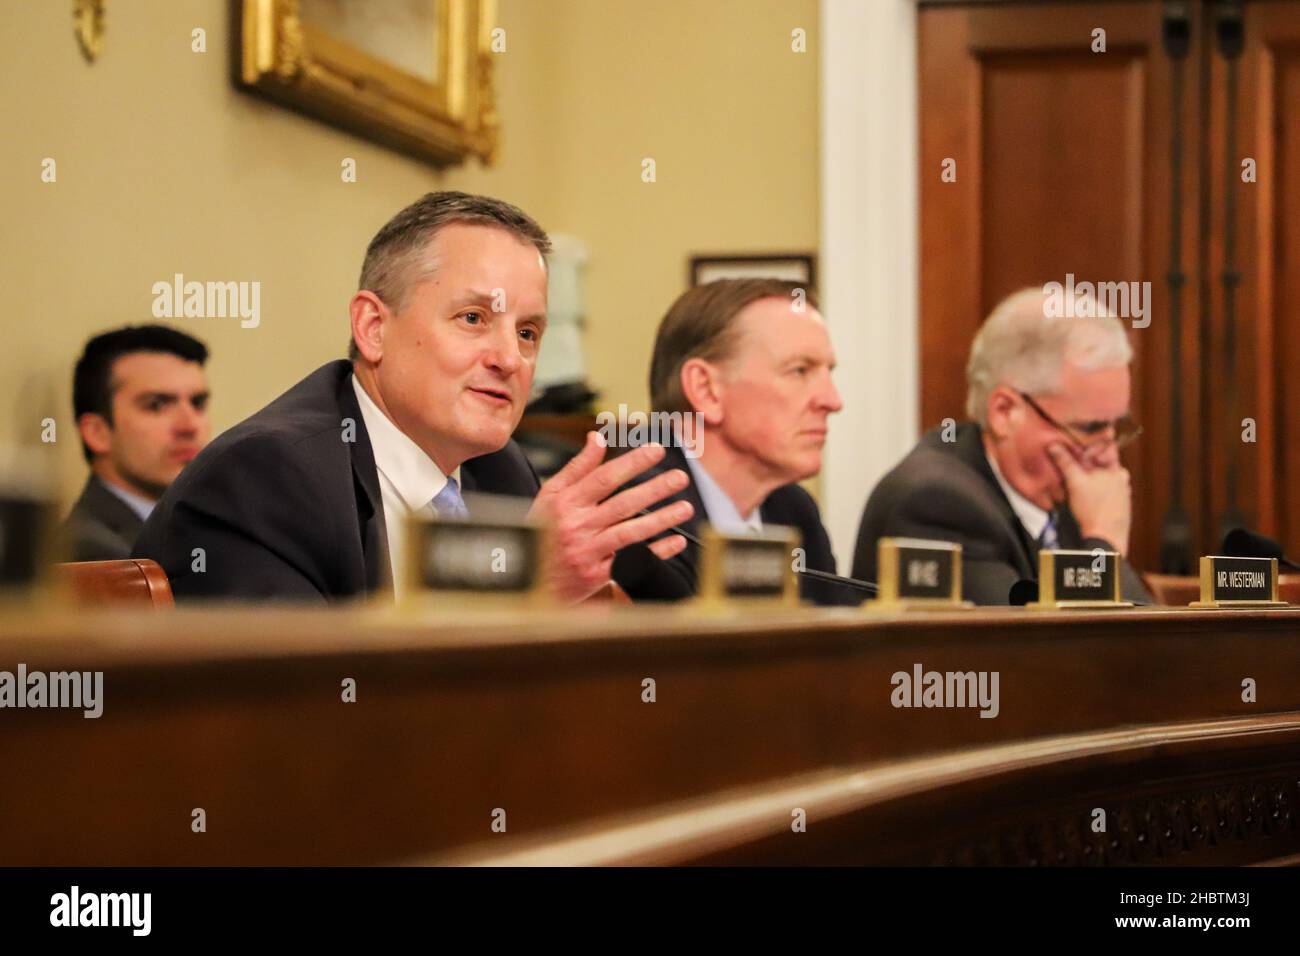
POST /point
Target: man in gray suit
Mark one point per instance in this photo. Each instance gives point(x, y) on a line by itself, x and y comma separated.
point(1037, 466)
point(141, 401)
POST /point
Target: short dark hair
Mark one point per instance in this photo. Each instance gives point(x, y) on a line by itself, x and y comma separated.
point(700, 324)
point(391, 257)
point(92, 378)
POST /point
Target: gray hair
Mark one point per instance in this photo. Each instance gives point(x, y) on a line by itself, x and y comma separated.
point(1020, 345)
point(396, 258)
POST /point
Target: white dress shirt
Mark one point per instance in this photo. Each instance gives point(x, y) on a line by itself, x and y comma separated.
point(720, 509)
point(408, 479)
point(1031, 516)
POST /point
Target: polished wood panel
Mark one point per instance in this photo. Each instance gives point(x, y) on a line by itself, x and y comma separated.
point(1268, 259)
point(1220, 793)
point(239, 712)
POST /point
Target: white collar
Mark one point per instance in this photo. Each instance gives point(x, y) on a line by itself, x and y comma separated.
point(1031, 516)
point(410, 472)
point(721, 510)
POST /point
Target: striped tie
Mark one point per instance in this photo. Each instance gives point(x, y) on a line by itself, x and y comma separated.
point(448, 503)
point(1049, 538)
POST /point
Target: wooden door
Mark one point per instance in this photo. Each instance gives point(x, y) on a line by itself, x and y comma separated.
point(1267, 313)
point(1063, 162)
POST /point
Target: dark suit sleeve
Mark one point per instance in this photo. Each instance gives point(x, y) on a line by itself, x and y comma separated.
point(987, 581)
point(646, 577)
point(504, 472)
point(799, 508)
point(936, 510)
point(260, 519)
point(91, 541)
point(521, 477)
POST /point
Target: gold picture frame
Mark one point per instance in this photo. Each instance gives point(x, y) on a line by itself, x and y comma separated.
point(442, 118)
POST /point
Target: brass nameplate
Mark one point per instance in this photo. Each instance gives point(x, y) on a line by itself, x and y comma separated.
point(916, 573)
point(497, 559)
point(1078, 579)
point(1238, 582)
point(749, 568)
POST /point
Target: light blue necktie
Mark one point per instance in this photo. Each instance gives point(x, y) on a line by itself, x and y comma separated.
point(448, 503)
point(1049, 539)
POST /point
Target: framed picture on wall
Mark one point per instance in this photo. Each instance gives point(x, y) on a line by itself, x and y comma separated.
point(414, 75)
point(793, 266)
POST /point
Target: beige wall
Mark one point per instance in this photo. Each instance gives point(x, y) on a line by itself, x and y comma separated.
point(163, 167)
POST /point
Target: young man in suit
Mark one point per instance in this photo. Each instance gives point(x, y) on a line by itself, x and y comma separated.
point(141, 402)
point(745, 365)
point(306, 499)
point(1038, 466)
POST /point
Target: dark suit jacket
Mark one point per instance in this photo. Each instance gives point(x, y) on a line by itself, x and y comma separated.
point(100, 526)
point(947, 491)
point(285, 509)
point(647, 578)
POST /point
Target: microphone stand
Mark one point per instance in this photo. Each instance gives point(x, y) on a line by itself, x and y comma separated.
point(865, 586)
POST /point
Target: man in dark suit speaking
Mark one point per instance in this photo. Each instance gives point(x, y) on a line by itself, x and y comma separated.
point(1039, 464)
point(742, 367)
point(306, 499)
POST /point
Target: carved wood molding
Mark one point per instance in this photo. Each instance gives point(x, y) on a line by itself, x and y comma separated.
point(905, 812)
point(1174, 828)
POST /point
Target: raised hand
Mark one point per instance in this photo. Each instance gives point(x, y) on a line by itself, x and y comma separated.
point(589, 522)
point(1100, 497)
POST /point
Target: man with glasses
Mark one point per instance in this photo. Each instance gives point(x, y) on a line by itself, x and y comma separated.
point(1038, 466)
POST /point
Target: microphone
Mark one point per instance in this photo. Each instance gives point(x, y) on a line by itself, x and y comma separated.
point(854, 583)
point(868, 586)
point(1240, 543)
point(1022, 592)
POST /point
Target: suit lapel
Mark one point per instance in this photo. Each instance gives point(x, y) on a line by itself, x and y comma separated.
point(970, 448)
point(110, 510)
point(769, 514)
point(675, 458)
point(370, 503)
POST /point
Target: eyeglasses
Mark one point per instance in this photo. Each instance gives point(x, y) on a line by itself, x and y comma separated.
point(1123, 431)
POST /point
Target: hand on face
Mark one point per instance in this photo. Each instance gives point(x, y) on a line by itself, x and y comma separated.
point(1025, 434)
point(587, 525)
point(1100, 496)
point(1088, 459)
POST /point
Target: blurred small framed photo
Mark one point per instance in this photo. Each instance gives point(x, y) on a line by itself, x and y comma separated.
point(798, 267)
